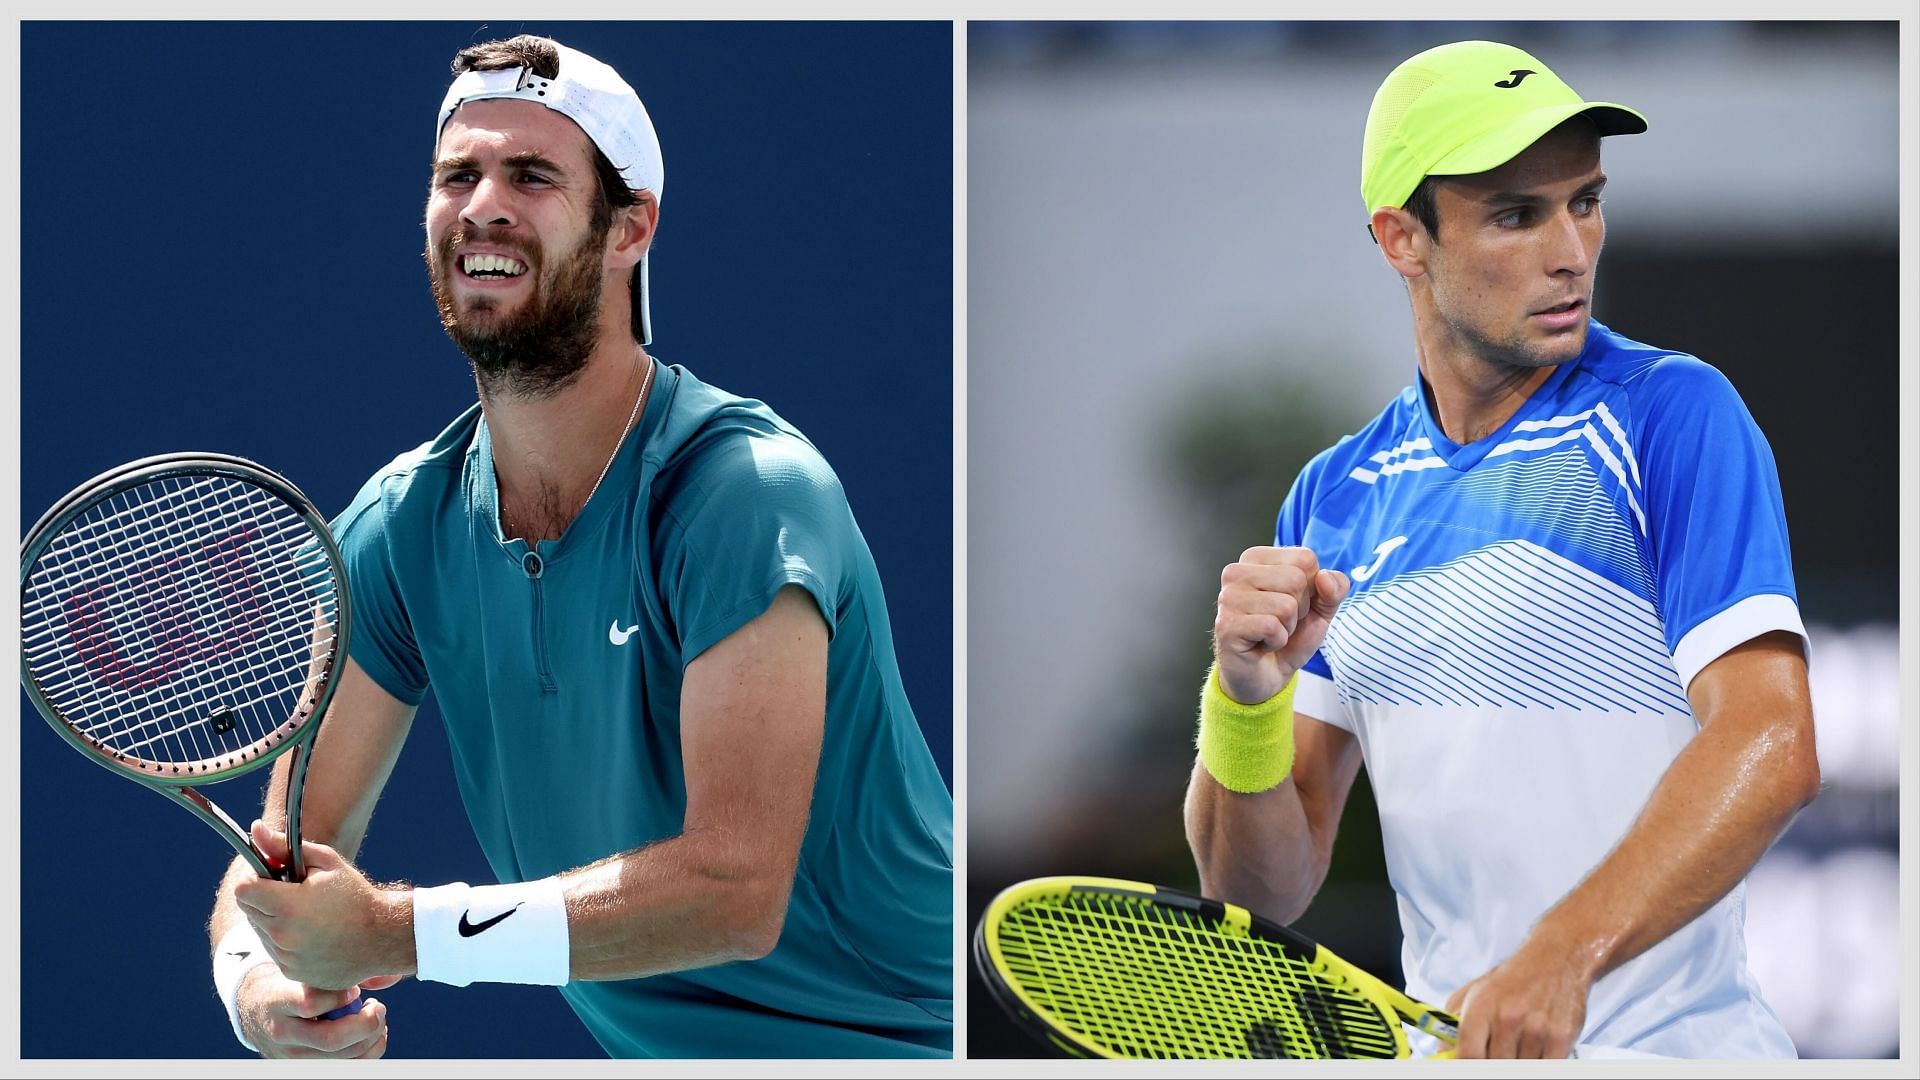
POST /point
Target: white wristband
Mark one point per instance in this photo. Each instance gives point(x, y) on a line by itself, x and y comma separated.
point(492, 933)
point(239, 952)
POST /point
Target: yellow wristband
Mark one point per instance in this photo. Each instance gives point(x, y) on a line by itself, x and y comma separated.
point(1247, 748)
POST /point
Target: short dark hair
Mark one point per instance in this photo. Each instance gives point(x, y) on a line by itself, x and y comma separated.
point(542, 57)
point(1420, 204)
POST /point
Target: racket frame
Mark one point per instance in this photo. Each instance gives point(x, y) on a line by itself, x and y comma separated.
point(294, 738)
point(1038, 1021)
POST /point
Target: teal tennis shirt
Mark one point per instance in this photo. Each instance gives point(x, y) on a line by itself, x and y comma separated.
point(557, 669)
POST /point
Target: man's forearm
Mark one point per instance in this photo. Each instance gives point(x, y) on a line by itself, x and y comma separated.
point(1726, 798)
point(335, 815)
point(1269, 851)
point(1254, 850)
point(701, 898)
point(753, 712)
point(226, 913)
point(694, 900)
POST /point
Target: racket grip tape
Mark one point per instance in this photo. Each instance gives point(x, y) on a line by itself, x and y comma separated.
point(348, 1009)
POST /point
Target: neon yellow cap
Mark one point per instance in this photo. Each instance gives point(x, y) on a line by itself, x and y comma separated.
point(1466, 108)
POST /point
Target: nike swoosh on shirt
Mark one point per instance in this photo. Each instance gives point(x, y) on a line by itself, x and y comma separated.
point(619, 636)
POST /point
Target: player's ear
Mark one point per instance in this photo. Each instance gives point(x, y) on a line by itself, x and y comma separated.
point(631, 233)
point(1403, 240)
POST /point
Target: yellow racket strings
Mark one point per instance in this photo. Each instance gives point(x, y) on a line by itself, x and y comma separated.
point(1145, 980)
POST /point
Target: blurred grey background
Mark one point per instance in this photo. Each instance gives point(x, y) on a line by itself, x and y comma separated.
point(1173, 303)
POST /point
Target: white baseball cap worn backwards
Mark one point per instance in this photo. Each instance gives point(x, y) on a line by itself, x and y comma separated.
point(595, 97)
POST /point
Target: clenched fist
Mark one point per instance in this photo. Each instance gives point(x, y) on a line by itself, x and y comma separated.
point(1273, 611)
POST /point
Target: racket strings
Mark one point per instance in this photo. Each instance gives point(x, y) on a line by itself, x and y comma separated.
point(1151, 981)
point(234, 697)
point(188, 497)
point(203, 584)
point(1092, 989)
point(116, 667)
point(118, 541)
point(239, 685)
point(180, 621)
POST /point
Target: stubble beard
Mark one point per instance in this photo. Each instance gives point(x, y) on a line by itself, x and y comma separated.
point(540, 349)
point(1517, 350)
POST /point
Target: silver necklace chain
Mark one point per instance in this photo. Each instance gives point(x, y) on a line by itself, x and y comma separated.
point(646, 381)
point(621, 441)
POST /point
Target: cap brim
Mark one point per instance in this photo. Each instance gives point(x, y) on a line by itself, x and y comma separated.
point(1495, 148)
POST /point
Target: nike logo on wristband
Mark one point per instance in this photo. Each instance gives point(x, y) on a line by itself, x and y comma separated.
point(468, 929)
point(242, 954)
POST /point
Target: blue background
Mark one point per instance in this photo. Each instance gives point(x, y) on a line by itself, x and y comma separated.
point(221, 234)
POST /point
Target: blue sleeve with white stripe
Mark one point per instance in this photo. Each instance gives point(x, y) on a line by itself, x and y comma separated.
point(1716, 523)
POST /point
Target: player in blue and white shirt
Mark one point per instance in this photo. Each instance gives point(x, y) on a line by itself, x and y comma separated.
point(1546, 597)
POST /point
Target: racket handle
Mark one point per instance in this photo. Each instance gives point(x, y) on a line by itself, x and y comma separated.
point(348, 1009)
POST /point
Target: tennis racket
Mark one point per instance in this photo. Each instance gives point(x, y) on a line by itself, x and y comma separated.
point(1101, 968)
point(182, 622)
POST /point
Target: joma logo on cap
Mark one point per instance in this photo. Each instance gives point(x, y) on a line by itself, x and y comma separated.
point(1518, 74)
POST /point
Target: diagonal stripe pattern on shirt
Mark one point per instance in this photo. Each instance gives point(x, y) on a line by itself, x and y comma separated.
point(1568, 494)
point(1511, 625)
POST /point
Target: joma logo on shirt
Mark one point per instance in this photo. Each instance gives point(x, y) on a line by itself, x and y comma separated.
point(1386, 548)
